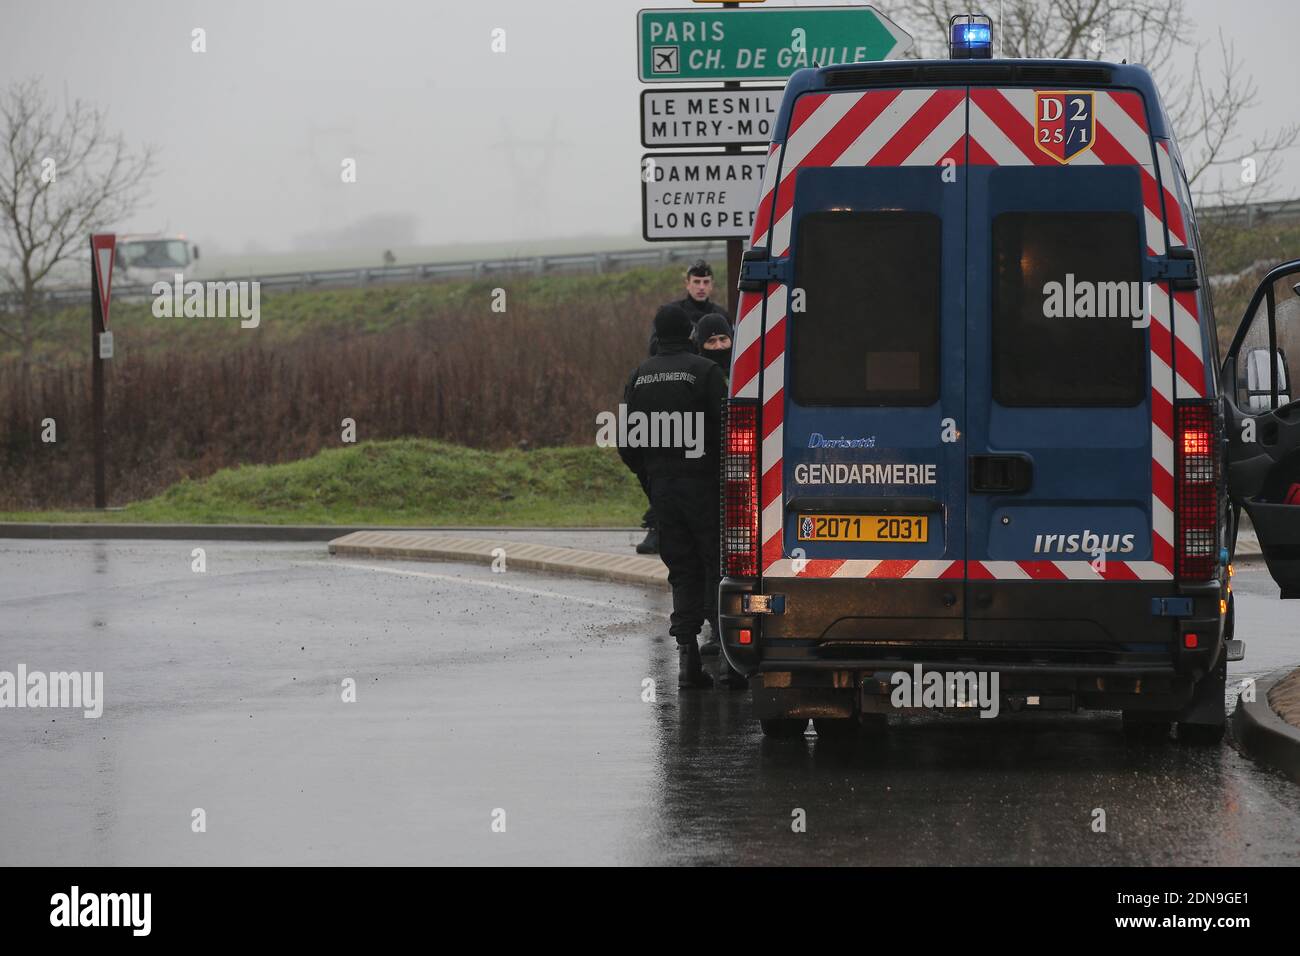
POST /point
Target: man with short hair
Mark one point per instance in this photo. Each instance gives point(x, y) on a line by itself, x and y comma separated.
point(696, 303)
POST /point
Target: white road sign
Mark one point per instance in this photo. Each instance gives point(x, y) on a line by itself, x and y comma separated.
point(709, 117)
point(700, 195)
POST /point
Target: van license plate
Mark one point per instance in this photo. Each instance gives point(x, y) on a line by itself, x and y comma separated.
point(909, 529)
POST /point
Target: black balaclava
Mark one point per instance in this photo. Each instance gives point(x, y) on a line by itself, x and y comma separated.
point(709, 325)
point(673, 325)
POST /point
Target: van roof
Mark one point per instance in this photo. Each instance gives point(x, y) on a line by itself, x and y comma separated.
point(1043, 74)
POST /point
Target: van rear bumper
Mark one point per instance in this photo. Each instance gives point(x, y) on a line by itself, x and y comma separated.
point(1027, 630)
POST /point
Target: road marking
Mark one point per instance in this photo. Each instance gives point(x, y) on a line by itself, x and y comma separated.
point(430, 575)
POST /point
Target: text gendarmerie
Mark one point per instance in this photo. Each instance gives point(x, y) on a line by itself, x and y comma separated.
point(865, 474)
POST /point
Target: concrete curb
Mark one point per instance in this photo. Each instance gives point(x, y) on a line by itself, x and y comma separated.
point(225, 532)
point(1262, 734)
point(1248, 548)
point(423, 545)
point(1247, 543)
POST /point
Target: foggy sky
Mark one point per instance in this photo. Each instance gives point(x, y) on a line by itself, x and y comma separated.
point(452, 141)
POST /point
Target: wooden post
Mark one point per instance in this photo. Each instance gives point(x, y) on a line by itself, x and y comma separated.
point(97, 386)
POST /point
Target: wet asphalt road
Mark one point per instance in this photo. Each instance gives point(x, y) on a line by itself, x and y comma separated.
point(478, 692)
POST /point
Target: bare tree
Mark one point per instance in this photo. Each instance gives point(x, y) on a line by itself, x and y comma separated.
point(1206, 111)
point(62, 176)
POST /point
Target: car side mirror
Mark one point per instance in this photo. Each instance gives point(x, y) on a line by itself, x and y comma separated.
point(194, 251)
point(1259, 380)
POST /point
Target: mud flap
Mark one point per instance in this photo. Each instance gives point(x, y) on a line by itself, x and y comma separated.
point(1207, 706)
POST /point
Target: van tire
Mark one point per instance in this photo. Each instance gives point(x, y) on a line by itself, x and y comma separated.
point(784, 726)
point(873, 724)
point(1146, 727)
point(835, 728)
point(1201, 735)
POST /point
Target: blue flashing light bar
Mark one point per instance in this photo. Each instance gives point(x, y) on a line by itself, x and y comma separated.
point(970, 37)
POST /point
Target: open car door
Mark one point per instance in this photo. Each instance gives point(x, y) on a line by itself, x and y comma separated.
point(1262, 402)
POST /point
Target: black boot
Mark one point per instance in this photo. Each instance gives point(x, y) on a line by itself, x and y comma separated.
point(689, 672)
point(731, 679)
point(651, 543)
point(712, 647)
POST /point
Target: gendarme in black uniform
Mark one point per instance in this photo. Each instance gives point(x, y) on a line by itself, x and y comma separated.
point(683, 490)
point(695, 311)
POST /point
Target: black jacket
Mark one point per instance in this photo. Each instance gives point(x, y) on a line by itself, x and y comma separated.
point(696, 310)
point(675, 380)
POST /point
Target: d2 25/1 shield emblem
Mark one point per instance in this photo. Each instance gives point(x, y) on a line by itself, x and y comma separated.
point(1065, 123)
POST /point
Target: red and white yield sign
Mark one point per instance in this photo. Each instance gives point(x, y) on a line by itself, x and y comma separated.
point(102, 247)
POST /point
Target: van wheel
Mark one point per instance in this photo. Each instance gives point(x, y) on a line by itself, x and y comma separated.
point(835, 728)
point(1143, 727)
point(1200, 735)
point(872, 724)
point(784, 726)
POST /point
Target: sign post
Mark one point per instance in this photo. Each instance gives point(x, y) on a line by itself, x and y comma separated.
point(734, 246)
point(711, 195)
point(102, 249)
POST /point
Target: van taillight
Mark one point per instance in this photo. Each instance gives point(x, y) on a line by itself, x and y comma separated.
point(1196, 511)
point(740, 491)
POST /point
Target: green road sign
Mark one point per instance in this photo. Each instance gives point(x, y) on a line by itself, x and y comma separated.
point(760, 43)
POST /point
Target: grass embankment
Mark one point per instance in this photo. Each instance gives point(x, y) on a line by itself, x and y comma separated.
point(187, 397)
point(288, 317)
point(403, 482)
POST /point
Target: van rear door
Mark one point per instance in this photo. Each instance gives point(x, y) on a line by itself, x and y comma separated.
point(1069, 408)
point(864, 387)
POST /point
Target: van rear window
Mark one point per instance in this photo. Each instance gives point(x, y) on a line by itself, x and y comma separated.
point(869, 331)
point(1066, 291)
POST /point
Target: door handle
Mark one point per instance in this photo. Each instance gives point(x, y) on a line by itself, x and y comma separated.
point(1006, 474)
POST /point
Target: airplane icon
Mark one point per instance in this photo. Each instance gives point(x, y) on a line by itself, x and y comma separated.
point(664, 59)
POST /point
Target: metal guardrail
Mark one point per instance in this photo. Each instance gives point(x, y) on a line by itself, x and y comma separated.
point(566, 264)
point(1247, 214)
point(1251, 214)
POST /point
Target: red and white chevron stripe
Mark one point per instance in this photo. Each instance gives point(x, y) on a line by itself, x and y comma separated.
point(1189, 342)
point(983, 127)
point(1002, 133)
point(877, 127)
